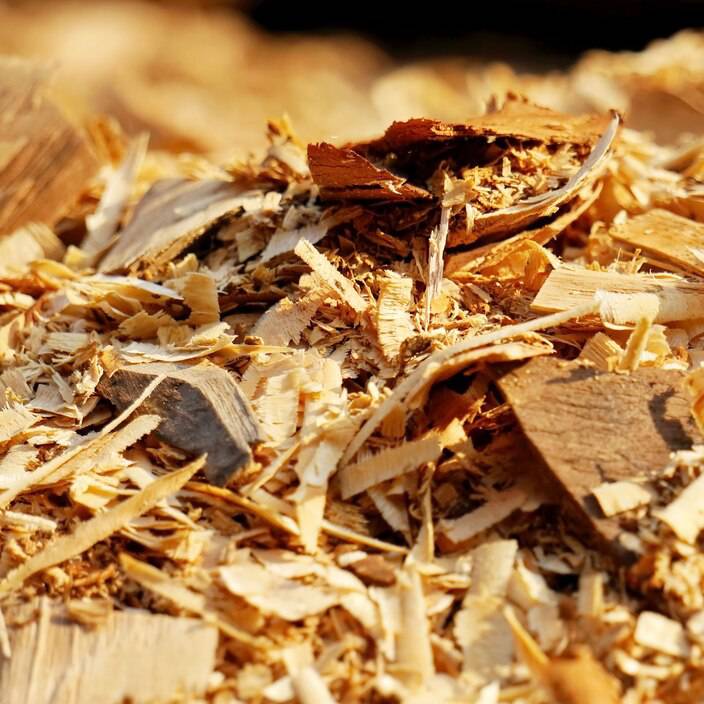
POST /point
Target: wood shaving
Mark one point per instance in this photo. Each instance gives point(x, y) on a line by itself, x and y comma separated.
point(443, 386)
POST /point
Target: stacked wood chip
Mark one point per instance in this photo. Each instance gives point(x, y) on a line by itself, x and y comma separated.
point(415, 419)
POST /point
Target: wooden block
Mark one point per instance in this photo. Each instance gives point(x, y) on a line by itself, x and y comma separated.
point(202, 410)
point(591, 427)
point(45, 162)
point(135, 656)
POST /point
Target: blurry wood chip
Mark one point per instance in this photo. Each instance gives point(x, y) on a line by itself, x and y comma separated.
point(202, 411)
point(591, 427)
point(660, 633)
point(171, 216)
point(135, 656)
point(685, 515)
point(581, 680)
point(668, 240)
point(617, 497)
point(374, 570)
point(45, 163)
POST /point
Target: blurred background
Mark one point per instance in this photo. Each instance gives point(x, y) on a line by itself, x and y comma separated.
point(206, 76)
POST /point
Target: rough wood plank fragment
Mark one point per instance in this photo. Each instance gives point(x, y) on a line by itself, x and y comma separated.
point(591, 427)
point(517, 120)
point(135, 656)
point(571, 285)
point(202, 411)
point(171, 216)
point(669, 240)
point(45, 162)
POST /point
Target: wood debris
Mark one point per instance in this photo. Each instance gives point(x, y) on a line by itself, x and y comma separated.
point(45, 163)
point(547, 394)
point(201, 407)
point(411, 419)
point(135, 655)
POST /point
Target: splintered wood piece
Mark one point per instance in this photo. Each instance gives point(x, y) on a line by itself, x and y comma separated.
point(354, 171)
point(45, 162)
point(591, 427)
point(342, 173)
point(171, 216)
point(568, 286)
point(134, 655)
point(668, 240)
point(464, 264)
point(528, 211)
point(202, 411)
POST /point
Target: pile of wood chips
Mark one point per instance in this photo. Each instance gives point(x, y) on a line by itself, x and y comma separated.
point(416, 419)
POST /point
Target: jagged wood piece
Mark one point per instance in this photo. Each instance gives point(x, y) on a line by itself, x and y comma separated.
point(171, 216)
point(668, 240)
point(202, 410)
point(591, 427)
point(45, 162)
point(134, 656)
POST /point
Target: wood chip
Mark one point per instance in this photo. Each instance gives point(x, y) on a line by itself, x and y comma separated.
point(171, 215)
point(201, 407)
point(135, 655)
point(670, 241)
point(330, 277)
point(49, 162)
point(547, 395)
point(570, 286)
point(660, 633)
point(685, 515)
point(617, 497)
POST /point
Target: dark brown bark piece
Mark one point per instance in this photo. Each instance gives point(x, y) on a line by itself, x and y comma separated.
point(591, 427)
point(45, 162)
point(202, 410)
point(172, 214)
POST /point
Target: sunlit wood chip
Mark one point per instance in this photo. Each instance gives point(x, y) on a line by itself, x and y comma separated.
point(685, 515)
point(273, 594)
point(660, 633)
point(617, 497)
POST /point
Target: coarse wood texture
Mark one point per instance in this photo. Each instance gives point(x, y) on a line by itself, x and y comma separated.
point(202, 411)
point(591, 427)
point(172, 214)
point(668, 240)
point(568, 286)
point(134, 656)
point(45, 163)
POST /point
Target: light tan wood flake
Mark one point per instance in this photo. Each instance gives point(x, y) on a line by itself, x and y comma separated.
point(393, 320)
point(340, 286)
point(571, 285)
point(134, 655)
point(673, 242)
